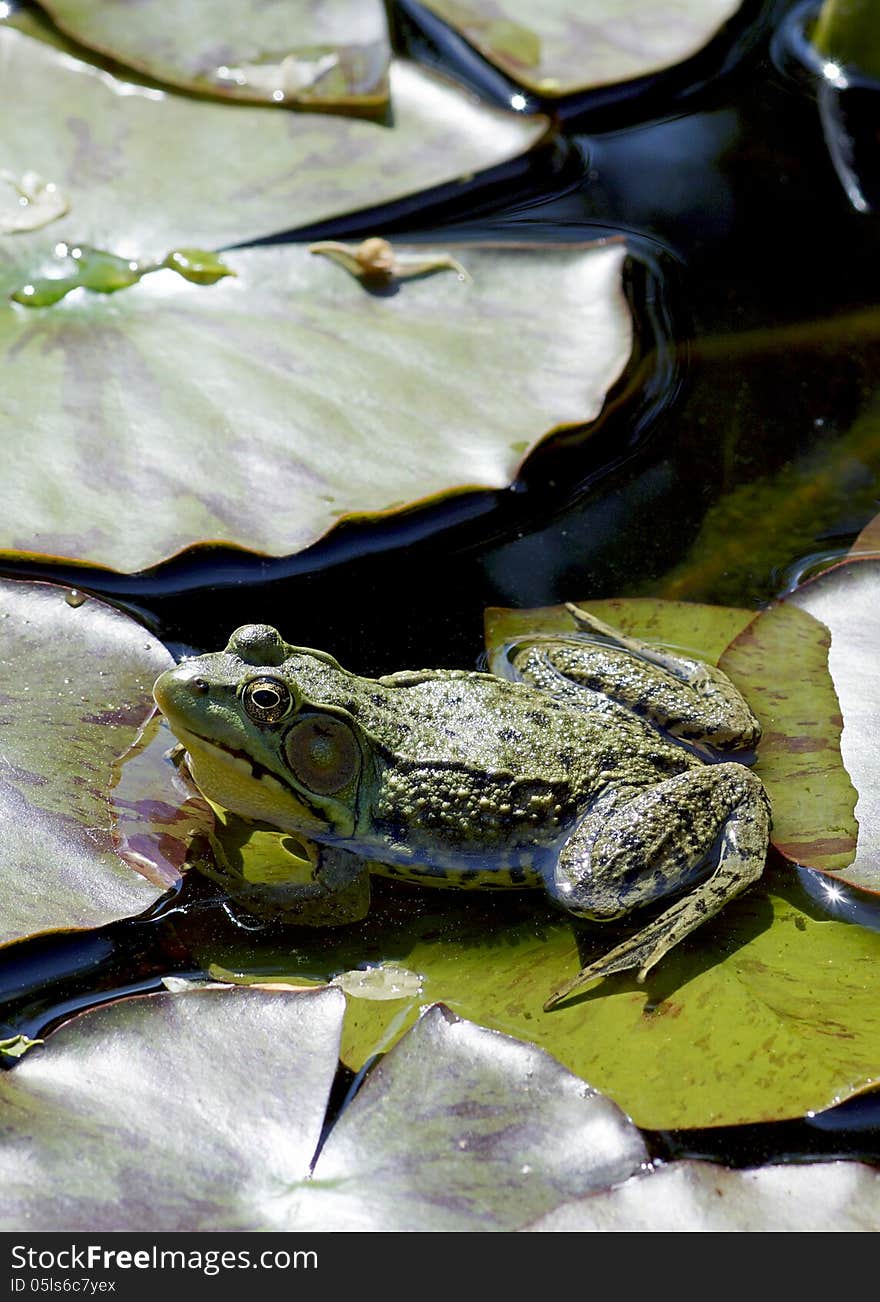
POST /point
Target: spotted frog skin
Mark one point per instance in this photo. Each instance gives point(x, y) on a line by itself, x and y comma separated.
point(590, 769)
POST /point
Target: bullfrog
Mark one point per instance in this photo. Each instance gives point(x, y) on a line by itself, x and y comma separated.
point(595, 766)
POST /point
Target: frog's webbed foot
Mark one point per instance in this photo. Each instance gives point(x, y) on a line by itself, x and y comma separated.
point(641, 951)
point(653, 844)
point(647, 947)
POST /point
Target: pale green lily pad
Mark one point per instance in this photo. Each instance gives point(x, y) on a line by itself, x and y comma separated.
point(203, 1111)
point(296, 53)
point(146, 171)
point(561, 46)
point(701, 1197)
point(317, 398)
point(75, 695)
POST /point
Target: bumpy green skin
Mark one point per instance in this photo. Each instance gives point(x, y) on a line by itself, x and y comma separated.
point(458, 778)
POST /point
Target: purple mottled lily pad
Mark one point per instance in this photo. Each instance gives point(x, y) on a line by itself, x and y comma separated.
point(316, 398)
point(76, 681)
point(563, 46)
point(290, 53)
point(702, 1197)
point(203, 1111)
point(144, 171)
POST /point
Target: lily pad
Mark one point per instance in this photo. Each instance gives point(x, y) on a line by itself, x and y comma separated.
point(287, 52)
point(867, 543)
point(319, 399)
point(76, 682)
point(688, 627)
point(847, 601)
point(203, 1111)
point(733, 1027)
point(781, 664)
point(145, 171)
point(560, 47)
point(841, 1197)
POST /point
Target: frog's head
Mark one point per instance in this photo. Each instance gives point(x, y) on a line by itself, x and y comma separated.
point(263, 735)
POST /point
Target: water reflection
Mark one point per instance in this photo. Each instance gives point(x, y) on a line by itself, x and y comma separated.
point(839, 900)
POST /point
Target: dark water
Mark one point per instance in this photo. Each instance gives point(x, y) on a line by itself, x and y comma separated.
point(754, 280)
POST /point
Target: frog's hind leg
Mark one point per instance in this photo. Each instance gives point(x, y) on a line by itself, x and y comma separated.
point(655, 843)
point(687, 698)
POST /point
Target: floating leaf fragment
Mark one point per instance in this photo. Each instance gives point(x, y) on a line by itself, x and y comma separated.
point(106, 273)
point(379, 981)
point(375, 260)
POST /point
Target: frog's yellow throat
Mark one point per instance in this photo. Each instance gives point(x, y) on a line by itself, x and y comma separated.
point(233, 782)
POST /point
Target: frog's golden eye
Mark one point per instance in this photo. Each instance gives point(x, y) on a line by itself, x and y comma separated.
point(323, 754)
point(267, 699)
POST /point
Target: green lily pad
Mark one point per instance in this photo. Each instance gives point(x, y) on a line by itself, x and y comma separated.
point(76, 682)
point(560, 47)
point(320, 399)
point(293, 53)
point(765, 1013)
point(145, 171)
point(689, 1197)
point(203, 1111)
point(688, 627)
point(781, 664)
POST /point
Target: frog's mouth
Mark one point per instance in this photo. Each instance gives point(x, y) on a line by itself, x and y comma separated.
point(232, 778)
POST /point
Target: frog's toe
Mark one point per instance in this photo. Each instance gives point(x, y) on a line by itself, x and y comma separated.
point(641, 951)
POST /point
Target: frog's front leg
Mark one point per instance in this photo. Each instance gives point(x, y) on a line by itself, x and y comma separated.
point(632, 849)
point(323, 886)
point(687, 698)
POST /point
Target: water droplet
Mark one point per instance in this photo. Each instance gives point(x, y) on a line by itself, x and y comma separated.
point(74, 597)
